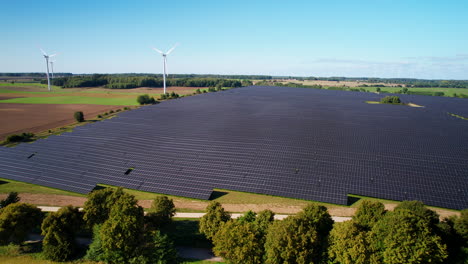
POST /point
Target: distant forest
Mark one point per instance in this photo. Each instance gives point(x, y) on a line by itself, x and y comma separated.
point(131, 80)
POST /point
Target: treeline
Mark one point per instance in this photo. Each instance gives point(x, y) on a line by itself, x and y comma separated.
point(31, 74)
point(121, 232)
point(410, 234)
point(119, 82)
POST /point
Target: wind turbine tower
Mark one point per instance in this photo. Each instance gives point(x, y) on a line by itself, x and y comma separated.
point(52, 68)
point(164, 63)
point(47, 64)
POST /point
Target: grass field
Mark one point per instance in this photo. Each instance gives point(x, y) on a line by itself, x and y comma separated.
point(7, 186)
point(73, 100)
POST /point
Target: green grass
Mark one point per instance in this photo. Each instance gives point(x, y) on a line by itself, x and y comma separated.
point(7, 186)
point(72, 100)
point(27, 85)
point(458, 116)
point(184, 232)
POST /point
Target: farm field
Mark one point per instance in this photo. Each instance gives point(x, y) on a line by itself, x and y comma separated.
point(35, 93)
point(35, 118)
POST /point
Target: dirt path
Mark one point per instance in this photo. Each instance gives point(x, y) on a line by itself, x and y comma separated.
point(186, 205)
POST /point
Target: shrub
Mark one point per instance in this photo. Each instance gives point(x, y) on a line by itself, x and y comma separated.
point(438, 94)
point(79, 117)
point(126, 108)
point(111, 111)
point(118, 110)
point(198, 91)
point(390, 100)
point(24, 137)
point(99, 116)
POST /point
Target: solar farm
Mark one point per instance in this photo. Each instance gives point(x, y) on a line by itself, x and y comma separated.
point(309, 144)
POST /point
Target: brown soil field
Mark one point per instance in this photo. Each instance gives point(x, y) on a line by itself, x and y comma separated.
point(64, 200)
point(19, 118)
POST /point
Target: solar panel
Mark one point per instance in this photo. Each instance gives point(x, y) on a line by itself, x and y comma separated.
point(301, 143)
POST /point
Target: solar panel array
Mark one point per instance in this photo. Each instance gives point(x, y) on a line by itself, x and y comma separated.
point(302, 143)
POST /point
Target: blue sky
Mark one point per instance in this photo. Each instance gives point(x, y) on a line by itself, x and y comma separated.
point(383, 38)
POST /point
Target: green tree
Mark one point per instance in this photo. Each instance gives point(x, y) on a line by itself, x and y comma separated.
point(79, 116)
point(248, 217)
point(97, 207)
point(16, 221)
point(419, 209)
point(123, 232)
point(349, 244)
point(299, 239)
point(236, 241)
point(263, 220)
point(161, 212)
point(212, 220)
point(461, 224)
point(368, 213)
point(405, 237)
point(159, 249)
point(94, 251)
point(59, 230)
point(378, 89)
point(11, 198)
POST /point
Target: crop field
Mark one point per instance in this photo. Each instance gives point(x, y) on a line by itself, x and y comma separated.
point(307, 144)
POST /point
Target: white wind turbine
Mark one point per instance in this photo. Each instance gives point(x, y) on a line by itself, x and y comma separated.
point(52, 68)
point(164, 63)
point(47, 64)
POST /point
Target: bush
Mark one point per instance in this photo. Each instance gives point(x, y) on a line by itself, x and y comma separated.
point(438, 94)
point(79, 116)
point(99, 116)
point(390, 100)
point(126, 108)
point(111, 111)
point(198, 91)
point(24, 137)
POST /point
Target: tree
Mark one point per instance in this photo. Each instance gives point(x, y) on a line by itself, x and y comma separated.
point(16, 221)
point(461, 224)
point(419, 209)
point(97, 207)
point(378, 90)
point(79, 116)
point(237, 242)
point(11, 198)
point(212, 220)
point(405, 237)
point(248, 217)
point(161, 212)
point(123, 232)
point(349, 244)
point(368, 213)
point(59, 230)
point(390, 100)
point(159, 249)
point(95, 252)
point(299, 239)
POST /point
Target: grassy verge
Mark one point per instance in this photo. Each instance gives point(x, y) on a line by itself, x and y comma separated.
point(7, 186)
point(458, 116)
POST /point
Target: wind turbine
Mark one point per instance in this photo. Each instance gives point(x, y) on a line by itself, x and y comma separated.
point(52, 68)
point(47, 64)
point(165, 62)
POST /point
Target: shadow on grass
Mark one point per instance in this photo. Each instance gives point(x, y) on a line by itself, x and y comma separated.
point(217, 194)
point(3, 182)
point(352, 200)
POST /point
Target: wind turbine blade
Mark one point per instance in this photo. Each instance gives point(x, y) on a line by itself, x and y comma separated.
point(53, 55)
point(158, 50)
point(43, 52)
point(169, 51)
